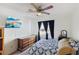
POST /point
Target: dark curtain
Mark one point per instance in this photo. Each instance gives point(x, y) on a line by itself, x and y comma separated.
point(39, 25)
point(45, 27)
point(51, 26)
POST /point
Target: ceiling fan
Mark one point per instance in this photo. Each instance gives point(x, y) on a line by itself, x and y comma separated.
point(39, 10)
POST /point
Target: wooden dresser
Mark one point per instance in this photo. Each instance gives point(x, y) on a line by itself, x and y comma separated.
point(25, 43)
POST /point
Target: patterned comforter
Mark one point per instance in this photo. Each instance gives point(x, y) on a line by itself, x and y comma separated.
point(43, 47)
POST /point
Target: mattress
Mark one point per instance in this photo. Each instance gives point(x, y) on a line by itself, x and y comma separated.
point(42, 47)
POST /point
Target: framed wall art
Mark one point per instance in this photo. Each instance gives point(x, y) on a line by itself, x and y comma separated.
point(12, 22)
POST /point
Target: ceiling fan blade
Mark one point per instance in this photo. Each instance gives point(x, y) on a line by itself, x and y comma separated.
point(34, 6)
point(31, 10)
point(49, 7)
point(46, 13)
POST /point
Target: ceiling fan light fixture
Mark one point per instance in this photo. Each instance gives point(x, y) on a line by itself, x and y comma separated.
point(38, 14)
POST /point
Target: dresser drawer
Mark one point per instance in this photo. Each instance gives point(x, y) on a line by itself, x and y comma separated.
point(31, 41)
point(26, 45)
point(25, 39)
point(26, 42)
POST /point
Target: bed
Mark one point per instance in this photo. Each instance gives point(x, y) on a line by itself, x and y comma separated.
point(42, 47)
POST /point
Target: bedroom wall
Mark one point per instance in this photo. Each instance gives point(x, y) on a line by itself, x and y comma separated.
point(75, 24)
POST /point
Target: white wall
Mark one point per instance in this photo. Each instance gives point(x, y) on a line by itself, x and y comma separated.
point(75, 24)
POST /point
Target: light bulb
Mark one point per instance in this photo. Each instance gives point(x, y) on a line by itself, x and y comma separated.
point(39, 14)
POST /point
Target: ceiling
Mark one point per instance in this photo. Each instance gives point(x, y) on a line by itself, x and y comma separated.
point(59, 9)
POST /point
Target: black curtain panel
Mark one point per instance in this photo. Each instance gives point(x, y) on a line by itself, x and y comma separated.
point(46, 26)
point(51, 26)
point(39, 25)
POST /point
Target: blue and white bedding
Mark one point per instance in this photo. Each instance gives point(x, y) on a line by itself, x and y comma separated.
point(43, 47)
